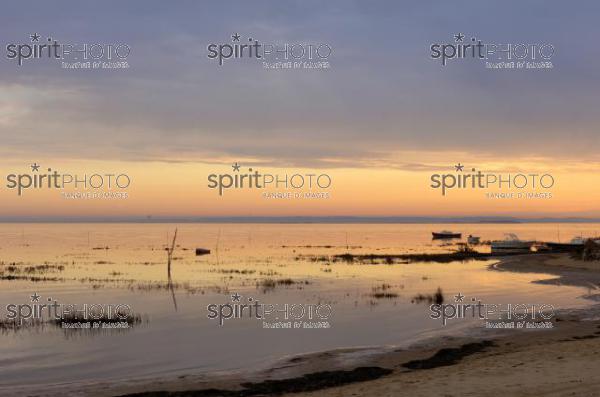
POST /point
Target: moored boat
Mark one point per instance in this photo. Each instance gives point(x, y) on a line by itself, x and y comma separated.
point(511, 245)
point(445, 234)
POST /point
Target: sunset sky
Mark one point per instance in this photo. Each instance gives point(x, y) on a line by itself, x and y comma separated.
point(380, 121)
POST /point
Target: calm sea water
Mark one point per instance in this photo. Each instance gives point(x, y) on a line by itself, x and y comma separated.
point(126, 264)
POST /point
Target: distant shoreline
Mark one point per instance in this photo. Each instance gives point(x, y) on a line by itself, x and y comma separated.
point(301, 220)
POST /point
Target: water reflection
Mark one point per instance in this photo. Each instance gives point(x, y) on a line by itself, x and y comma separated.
point(275, 264)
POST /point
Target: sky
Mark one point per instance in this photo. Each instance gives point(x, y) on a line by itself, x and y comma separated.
point(380, 120)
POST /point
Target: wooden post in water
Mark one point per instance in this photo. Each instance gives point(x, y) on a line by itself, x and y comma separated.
point(170, 253)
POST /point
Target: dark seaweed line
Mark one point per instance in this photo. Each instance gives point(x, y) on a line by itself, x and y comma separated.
point(306, 383)
point(327, 379)
point(449, 356)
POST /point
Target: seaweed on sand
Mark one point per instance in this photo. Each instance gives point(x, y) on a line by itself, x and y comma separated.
point(448, 356)
point(306, 383)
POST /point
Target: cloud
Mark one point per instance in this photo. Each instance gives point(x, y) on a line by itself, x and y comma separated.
point(381, 98)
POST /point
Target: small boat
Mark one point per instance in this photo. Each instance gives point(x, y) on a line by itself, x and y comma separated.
point(473, 239)
point(445, 234)
point(511, 245)
point(573, 245)
point(202, 251)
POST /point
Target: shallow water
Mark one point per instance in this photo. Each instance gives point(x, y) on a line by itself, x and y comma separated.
point(126, 264)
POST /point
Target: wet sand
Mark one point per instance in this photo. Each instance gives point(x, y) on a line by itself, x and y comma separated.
point(562, 361)
point(568, 271)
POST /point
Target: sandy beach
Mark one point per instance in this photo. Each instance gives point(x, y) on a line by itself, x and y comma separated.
point(562, 361)
point(568, 271)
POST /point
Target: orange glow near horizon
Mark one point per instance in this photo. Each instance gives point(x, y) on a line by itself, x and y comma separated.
point(181, 189)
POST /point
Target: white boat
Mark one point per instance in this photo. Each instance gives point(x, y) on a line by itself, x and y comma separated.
point(473, 239)
point(577, 241)
point(511, 245)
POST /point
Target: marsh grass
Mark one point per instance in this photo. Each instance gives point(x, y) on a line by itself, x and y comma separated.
point(383, 291)
point(436, 298)
point(270, 284)
point(384, 295)
point(20, 268)
point(232, 271)
point(38, 325)
point(390, 259)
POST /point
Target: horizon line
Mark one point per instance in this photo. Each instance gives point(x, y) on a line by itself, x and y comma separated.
point(347, 219)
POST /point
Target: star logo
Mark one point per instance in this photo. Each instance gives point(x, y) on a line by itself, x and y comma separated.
point(459, 167)
point(459, 298)
point(235, 37)
point(34, 37)
point(459, 37)
point(236, 167)
point(35, 167)
point(236, 297)
point(35, 297)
